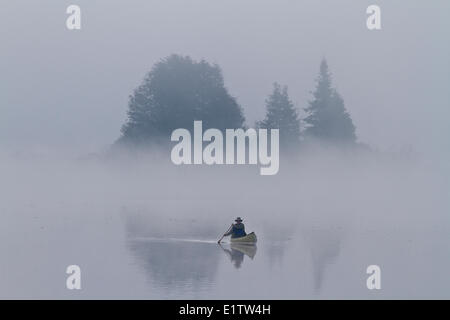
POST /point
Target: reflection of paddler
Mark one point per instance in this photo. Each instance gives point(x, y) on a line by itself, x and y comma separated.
point(237, 251)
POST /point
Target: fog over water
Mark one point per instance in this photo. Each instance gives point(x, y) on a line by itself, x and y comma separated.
point(141, 227)
point(150, 231)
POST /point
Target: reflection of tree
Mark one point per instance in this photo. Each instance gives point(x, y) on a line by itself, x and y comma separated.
point(173, 264)
point(278, 237)
point(325, 248)
point(237, 252)
point(275, 252)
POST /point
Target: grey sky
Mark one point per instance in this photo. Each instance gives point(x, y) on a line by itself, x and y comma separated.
point(71, 87)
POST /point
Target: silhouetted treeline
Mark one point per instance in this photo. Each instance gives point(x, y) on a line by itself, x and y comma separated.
point(178, 91)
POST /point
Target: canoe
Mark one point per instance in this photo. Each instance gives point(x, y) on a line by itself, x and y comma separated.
point(248, 239)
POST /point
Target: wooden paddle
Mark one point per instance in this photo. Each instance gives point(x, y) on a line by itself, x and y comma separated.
point(224, 234)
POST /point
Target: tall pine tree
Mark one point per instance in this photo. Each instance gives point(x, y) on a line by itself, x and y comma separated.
point(281, 114)
point(327, 119)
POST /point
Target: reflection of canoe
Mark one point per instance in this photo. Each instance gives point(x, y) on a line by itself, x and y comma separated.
point(248, 250)
point(248, 239)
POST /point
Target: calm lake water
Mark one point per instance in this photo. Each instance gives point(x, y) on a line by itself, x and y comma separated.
point(150, 232)
point(313, 262)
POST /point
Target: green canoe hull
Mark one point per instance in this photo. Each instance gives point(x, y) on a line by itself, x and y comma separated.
point(248, 239)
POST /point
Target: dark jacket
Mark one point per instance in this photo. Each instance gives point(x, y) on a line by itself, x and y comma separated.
point(237, 230)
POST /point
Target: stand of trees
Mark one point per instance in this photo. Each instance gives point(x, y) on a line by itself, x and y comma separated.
point(175, 93)
point(178, 91)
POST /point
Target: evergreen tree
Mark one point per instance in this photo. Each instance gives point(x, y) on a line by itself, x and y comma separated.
point(327, 118)
point(282, 115)
point(174, 93)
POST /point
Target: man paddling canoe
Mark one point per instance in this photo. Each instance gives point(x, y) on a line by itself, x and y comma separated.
point(237, 230)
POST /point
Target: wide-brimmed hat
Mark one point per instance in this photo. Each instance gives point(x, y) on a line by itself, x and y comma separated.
point(238, 219)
